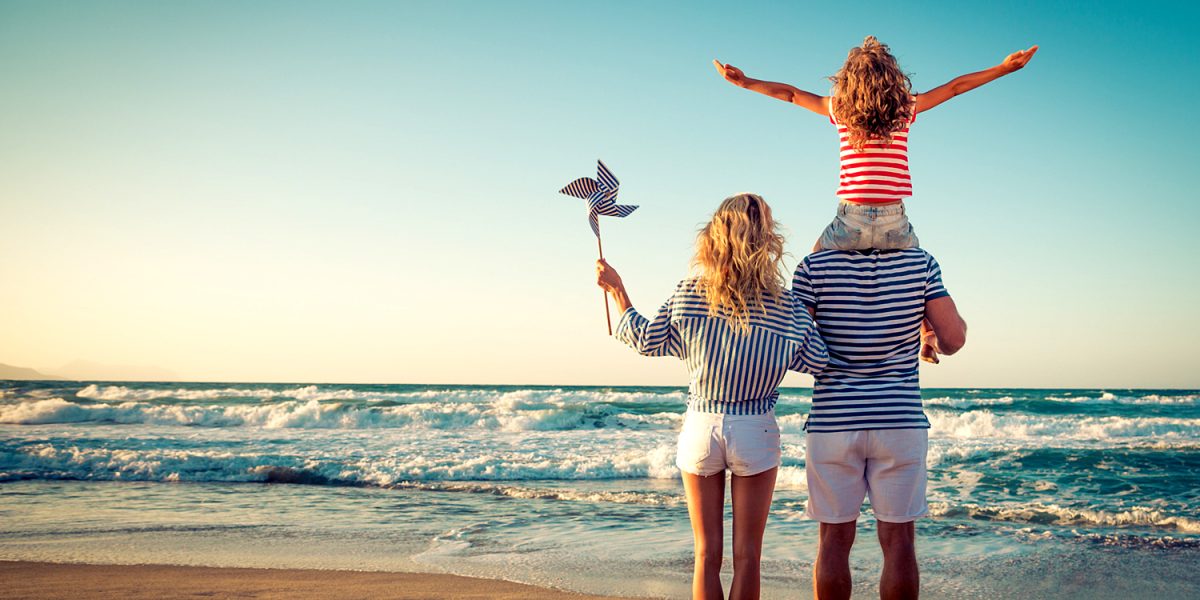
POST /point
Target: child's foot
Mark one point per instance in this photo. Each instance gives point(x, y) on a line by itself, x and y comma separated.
point(929, 353)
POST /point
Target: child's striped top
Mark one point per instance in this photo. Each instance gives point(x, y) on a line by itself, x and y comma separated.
point(878, 174)
point(732, 372)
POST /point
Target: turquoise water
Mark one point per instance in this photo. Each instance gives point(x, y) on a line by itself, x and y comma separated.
point(565, 486)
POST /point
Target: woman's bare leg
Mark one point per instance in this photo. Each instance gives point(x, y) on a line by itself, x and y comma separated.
point(751, 505)
point(706, 507)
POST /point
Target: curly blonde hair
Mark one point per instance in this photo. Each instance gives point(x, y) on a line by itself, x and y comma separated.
point(873, 96)
point(739, 256)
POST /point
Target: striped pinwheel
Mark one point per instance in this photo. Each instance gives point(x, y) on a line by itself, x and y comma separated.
point(601, 196)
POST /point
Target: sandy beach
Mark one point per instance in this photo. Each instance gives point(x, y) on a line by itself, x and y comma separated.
point(55, 581)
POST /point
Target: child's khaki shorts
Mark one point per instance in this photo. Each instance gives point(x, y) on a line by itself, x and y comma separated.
point(863, 226)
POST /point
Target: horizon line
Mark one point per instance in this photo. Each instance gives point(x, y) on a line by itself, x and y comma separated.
point(559, 385)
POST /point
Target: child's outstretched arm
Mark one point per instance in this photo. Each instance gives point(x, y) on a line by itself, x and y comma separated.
point(965, 83)
point(779, 91)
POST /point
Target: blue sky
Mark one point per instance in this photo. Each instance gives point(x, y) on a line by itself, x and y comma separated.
point(366, 191)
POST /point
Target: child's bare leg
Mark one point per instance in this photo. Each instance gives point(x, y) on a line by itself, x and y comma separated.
point(928, 343)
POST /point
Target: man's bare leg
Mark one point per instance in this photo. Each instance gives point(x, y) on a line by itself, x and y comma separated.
point(901, 580)
point(831, 572)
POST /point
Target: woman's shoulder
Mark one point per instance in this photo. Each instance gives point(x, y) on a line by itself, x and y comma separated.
point(688, 293)
point(688, 300)
point(688, 285)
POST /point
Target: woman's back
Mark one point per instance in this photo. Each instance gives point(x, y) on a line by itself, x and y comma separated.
point(732, 371)
point(735, 325)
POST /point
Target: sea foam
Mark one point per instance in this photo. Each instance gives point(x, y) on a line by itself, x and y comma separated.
point(1054, 514)
point(60, 461)
point(506, 413)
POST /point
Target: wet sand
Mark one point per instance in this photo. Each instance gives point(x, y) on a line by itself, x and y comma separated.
point(57, 581)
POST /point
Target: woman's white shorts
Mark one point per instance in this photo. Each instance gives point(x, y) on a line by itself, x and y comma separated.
point(709, 443)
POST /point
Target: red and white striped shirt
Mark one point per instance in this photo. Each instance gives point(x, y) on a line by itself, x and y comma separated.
point(878, 174)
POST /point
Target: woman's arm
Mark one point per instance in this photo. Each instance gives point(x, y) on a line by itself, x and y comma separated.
point(657, 337)
point(779, 91)
point(811, 356)
point(965, 83)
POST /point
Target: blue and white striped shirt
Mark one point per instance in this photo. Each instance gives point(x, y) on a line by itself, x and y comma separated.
point(869, 308)
point(732, 372)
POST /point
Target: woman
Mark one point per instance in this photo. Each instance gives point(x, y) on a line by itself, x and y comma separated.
point(739, 330)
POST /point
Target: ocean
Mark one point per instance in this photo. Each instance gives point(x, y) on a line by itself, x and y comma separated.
point(1033, 493)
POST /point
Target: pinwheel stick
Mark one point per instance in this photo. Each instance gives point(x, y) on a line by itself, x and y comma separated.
point(607, 316)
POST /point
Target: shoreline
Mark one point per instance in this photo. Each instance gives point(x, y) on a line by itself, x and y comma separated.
point(34, 580)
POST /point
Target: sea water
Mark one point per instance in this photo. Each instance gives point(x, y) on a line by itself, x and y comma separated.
point(1034, 493)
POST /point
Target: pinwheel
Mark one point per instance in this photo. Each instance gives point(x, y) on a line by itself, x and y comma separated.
point(601, 196)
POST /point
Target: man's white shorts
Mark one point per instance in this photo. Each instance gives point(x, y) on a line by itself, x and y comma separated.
point(745, 444)
point(888, 465)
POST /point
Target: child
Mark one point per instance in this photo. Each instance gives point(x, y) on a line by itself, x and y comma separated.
point(873, 106)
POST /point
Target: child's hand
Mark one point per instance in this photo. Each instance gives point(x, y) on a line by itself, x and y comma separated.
point(929, 349)
point(929, 353)
point(731, 73)
point(1018, 59)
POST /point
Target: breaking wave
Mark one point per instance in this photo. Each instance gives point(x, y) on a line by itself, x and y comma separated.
point(1038, 513)
point(56, 461)
point(505, 413)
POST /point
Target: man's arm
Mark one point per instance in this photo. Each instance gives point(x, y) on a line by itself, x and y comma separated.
point(965, 83)
point(779, 91)
point(947, 324)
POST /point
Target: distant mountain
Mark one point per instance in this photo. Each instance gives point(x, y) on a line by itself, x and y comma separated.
point(84, 369)
point(11, 372)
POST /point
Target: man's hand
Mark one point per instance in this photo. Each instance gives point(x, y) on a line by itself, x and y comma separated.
point(731, 73)
point(1018, 59)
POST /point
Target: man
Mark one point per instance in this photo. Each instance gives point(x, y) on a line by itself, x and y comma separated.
point(867, 431)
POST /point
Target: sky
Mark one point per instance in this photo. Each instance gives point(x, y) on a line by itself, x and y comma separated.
point(366, 191)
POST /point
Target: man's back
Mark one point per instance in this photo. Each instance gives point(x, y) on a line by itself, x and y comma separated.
point(869, 307)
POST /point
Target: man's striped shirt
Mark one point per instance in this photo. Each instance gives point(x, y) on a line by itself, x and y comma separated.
point(732, 372)
point(869, 307)
point(876, 174)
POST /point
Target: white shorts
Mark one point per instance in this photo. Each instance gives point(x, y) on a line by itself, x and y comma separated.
point(888, 465)
point(745, 444)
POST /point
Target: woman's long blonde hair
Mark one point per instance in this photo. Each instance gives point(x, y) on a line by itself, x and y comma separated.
point(872, 97)
point(739, 255)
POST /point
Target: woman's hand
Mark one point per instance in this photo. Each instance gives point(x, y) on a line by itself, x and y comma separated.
point(731, 73)
point(607, 277)
point(1018, 59)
